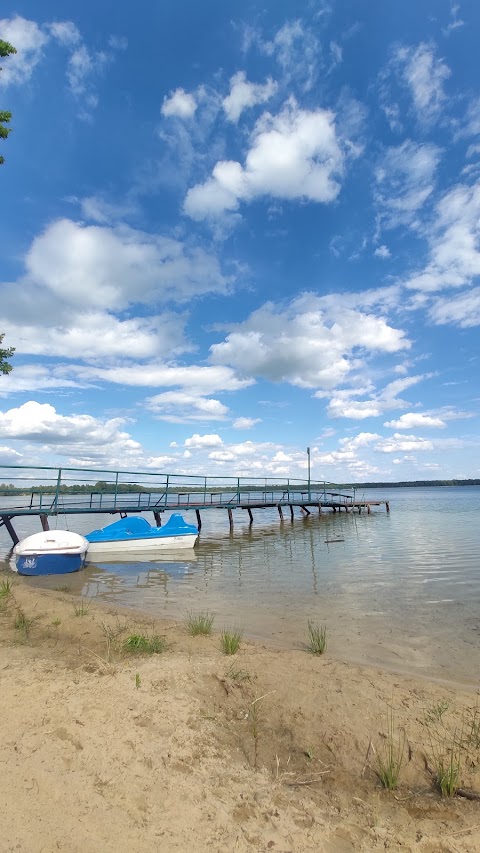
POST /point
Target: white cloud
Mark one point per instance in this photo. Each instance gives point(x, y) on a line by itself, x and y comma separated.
point(66, 32)
point(414, 420)
point(245, 423)
point(462, 310)
point(399, 443)
point(313, 343)
point(405, 180)
point(87, 439)
point(293, 155)
point(454, 238)
point(382, 252)
point(343, 404)
point(112, 268)
point(244, 94)
point(425, 76)
point(29, 41)
point(297, 51)
point(196, 440)
point(196, 379)
point(180, 104)
point(184, 407)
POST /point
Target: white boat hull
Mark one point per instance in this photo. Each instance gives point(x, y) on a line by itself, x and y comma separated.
point(145, 547)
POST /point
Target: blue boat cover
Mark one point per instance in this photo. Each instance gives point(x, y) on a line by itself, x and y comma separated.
point(137, 527)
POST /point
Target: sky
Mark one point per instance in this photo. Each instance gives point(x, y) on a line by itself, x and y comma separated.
point(232, 231)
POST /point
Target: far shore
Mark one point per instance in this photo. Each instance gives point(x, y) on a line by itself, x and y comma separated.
point(266, 749)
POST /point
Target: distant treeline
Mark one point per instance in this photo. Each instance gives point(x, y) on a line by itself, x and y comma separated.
point(102, 487)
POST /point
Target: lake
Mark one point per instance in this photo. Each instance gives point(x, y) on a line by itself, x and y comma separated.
point(400, 590)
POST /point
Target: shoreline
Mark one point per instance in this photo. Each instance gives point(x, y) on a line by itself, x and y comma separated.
point(103, 750)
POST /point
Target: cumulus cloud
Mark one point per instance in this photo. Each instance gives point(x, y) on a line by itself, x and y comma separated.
point(245, 423)
point(244, 94)
point(184, 407)
point(382, 252)
point(293, 155)
point(180, 104)
point(344, 404)
point(400, 442)
point(414, 420)
point(312, 343)
point(209, 440)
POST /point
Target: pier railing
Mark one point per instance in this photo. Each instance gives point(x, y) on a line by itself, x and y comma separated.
point(50, 490)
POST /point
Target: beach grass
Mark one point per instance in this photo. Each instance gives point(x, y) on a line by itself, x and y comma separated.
point(317, 638)
point(22, 623)
point(143, 644)
point(391, 755)
point(230, 640)
point(199, 624)
point(81, 609)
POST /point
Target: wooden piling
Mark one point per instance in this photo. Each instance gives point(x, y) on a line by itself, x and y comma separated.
point(230, 518)
point(8, 524)
point(44, 521)
point(199, 520)
point(158, 519)
point(280, 512)
point(250, 515)
point(291, 511)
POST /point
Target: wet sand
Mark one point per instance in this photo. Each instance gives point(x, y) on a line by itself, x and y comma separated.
point(265, 750)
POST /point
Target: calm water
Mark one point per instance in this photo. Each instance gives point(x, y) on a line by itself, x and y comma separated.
point(400, 590)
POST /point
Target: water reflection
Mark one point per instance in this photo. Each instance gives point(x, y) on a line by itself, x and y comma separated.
point(401, 589)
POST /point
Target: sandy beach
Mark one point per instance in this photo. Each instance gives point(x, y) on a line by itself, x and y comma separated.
point(268, 749)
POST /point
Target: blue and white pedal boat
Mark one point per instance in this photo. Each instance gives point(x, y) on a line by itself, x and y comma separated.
point(135, 534)
point(52, 552)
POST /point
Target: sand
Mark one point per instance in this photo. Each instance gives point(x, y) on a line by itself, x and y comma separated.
point(267, 750)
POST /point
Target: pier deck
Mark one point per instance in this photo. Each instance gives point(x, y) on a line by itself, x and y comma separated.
point(78, 492)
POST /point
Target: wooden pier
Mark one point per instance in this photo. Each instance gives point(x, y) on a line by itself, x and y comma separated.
point(72, 491)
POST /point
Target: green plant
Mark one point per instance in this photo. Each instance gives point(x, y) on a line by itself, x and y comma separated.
point(390, 756)
point(143, 644)
point(238, 674)
point(81, 609)
point(138, 680)
point(230, 640)
point(317, 638)
point(5, 589)
point(472, 718)
point(65, 588)
point(199, 623)
point(56, 622)
point(448, 769)
point(435, 713)
point(446, 748)
point(22, 623)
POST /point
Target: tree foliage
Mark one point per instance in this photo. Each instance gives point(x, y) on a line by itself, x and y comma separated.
point(5, 50)
point(5, 354)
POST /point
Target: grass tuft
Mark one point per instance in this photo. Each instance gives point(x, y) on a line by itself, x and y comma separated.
point(138, 681)
point(317, 638)
point(390, 757)
point(230, 640)
point(81, 609)
point(5, 589)
point(142, 644)
point(22, 623)
point(199, 624)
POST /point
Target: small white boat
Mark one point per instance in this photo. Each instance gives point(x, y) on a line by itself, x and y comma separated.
point(135, 534)
point(52, 552)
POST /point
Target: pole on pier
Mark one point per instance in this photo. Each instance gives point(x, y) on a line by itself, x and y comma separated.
point(158, 518)
point(291, 511)
point(387, 506)
point(250, 514)
point(280, 512)
point(199, 520)
point(44, 521)
point(230, 518)
point(308, 465)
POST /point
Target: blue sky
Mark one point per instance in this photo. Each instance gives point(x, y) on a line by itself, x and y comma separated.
point(232, 231)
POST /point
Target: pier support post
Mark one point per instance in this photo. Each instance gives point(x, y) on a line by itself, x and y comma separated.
point(230, 518)
point(291, 511)
point(158, 519)
point(44, 521)
point(280, 512)
point(387, 506)
point(368, 509)
point(199, 520)
point(8, 524)
point(319, 509)
point(250, 515)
